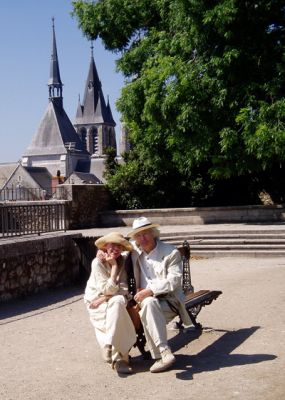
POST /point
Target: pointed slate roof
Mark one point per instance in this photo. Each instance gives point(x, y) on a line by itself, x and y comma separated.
point(110, 115)
point(54, 79)
point(10, 171)
point(94, 109)
point(55, 134)
point(81, 178)
point(79, 112)
point(6, 172)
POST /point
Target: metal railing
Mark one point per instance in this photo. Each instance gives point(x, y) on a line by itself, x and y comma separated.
point(32, 194)
point(23, 194)
point(25, 219)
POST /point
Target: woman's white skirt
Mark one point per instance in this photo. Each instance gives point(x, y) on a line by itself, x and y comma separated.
point(113, 325)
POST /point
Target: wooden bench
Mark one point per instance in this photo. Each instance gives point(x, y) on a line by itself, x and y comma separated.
point(194, 301)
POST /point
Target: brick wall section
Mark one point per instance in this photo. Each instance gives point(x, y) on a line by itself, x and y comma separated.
point(29, 265)
point(87, 201)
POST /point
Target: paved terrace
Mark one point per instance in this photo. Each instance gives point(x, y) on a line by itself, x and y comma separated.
point(48, 349)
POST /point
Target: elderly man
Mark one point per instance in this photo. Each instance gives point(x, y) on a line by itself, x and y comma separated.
point(158, 275)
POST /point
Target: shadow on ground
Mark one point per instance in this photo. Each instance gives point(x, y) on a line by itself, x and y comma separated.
point(37, 303)
point(214, 357)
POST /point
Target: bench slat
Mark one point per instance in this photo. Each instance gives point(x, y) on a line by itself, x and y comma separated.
point(203, 296)
point(195, 301)
point(193, 295)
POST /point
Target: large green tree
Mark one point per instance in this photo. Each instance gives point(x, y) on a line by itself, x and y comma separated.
point(204, 93)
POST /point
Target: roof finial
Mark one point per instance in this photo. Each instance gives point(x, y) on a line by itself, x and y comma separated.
point(54, 83)
point(91, 47)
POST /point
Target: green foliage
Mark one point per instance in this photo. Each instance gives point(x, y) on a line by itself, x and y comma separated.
point(141, 184)
point(111, 163)
point(204, 92)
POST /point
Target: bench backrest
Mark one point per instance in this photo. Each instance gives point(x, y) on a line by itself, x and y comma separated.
point(185, 254)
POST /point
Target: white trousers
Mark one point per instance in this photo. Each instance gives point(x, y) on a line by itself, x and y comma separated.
point(155, 315)
point(113, 326)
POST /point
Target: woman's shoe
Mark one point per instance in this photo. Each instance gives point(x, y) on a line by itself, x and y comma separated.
point(122, 367)
point(107, 354)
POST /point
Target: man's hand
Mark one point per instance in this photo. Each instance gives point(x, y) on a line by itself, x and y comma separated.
point(142, 294)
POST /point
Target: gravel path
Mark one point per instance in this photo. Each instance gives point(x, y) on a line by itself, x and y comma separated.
point(48, 348)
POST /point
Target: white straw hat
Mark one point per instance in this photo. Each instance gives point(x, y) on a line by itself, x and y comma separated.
point(114, 237)
point(141, 224)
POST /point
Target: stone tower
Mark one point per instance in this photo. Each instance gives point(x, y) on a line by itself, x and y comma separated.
point(94, 122)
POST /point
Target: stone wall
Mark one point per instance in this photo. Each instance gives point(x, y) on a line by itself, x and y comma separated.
point(85, 203)
point(196, 215)
point(31, 264)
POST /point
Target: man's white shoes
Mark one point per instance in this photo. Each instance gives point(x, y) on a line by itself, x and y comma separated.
point(165, 362)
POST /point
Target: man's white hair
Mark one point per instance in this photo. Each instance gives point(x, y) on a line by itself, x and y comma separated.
point(155, 232)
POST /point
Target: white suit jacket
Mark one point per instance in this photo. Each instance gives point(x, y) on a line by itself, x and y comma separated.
point(169, 274)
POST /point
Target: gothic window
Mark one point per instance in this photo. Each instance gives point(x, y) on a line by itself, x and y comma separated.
point(95, 140)
point(83, 137)
point(109, 137)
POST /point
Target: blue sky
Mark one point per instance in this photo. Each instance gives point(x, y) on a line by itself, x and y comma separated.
point(25, 51)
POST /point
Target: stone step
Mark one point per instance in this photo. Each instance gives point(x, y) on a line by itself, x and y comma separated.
point(230, 245)
point(198, 246)
point(236, 245)
point(207, 230)
point(226, 241)
point(190, 236)
point(237, 253)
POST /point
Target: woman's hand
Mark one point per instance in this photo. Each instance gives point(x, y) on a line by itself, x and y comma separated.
point(114, 270)
point(104, 256)
point(97, 302)
point(110, 255)
point(101, 255)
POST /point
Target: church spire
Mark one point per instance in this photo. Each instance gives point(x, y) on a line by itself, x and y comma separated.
point(109, 112)
point(54, 83)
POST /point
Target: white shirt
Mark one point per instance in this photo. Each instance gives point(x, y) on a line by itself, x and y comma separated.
point(147, 261)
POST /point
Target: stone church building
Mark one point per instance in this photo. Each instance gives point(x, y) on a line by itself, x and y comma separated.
point(65, 148)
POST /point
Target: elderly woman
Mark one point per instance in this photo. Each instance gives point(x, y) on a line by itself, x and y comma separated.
point(106, 297)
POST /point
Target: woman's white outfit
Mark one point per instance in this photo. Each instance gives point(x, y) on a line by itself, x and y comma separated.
point(110, 319)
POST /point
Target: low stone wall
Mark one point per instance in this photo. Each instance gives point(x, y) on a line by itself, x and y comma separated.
point(31, 264)
point(195, 216)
